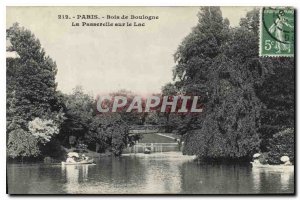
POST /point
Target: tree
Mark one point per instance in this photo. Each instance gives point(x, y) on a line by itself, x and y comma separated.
point(198, 51)
point(169, 90)
point(276, 92)
point(195, 57)
point(101, 131)
point(43, 130)
point(31, 87)
point(110, 132)
point(282, 144)
point(31, 78)
point(222, 66)
point(131, 118)
point(277, 95)
point(79, 109)
point(22, 144)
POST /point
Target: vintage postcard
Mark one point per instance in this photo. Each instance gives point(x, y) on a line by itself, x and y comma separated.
point(150, 100)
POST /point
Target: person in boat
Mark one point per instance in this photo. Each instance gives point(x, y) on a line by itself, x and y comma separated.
point(256, 158)
point(286, 160)
point(84, 158)
point(147, 150)
point(70, 159)
point(259, 159)
point(287, 163)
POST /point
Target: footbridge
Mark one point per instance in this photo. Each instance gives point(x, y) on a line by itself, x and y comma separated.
point(154, 139)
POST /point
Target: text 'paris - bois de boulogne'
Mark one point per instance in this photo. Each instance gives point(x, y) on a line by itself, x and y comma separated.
point(110, 20)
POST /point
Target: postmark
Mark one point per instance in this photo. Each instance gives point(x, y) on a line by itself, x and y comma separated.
point(277, 33)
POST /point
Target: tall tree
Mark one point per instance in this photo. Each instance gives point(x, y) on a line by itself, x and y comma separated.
point(31, 86)
point(100, 131)
point(131, 118)
point(277, 95)
point(79, 109)
point(221, 65)
point(109, 132)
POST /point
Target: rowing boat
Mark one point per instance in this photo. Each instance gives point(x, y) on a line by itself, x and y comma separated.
point(273, 167)
point(85, 162)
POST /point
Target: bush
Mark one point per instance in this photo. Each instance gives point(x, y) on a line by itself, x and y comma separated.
point(43, 129)
point(282, 144)
point(22, 144)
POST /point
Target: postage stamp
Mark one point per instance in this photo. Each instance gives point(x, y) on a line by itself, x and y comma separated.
point(277, 33)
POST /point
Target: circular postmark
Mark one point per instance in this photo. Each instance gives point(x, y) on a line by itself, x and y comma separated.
point(279, 24)
point(277, 31)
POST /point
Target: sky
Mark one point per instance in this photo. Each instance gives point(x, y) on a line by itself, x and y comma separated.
point(106, 59)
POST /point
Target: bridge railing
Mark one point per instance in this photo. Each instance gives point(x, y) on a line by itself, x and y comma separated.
point(146, 129)
point(153, 147)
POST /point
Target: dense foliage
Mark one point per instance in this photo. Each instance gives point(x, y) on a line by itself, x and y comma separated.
point(282, 144)
point(22, 144)
point(43, 130)
point(110, 132)
point(248, 100)
point(83, 125)
point(40, 119)
point(221, 64)
point(31, 92)
point(277, 95)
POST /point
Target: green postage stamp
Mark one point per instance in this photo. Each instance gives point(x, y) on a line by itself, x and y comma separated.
point(277, 33)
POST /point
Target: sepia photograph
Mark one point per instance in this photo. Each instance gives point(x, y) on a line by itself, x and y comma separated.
point(150, 100)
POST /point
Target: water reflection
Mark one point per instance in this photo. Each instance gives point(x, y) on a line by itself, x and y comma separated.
point(138, 173)
point(161, 176)
point(85, 171)
point(256, 178)
point(215, 179)
point(285, 178)
point(275, 179)
point(167, 173)
point(75, 176)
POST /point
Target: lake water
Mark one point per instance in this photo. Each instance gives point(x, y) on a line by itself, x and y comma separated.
point(157, 173)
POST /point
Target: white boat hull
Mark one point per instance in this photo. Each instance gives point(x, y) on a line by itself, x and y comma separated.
point(88, 162)
point(273, 167)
